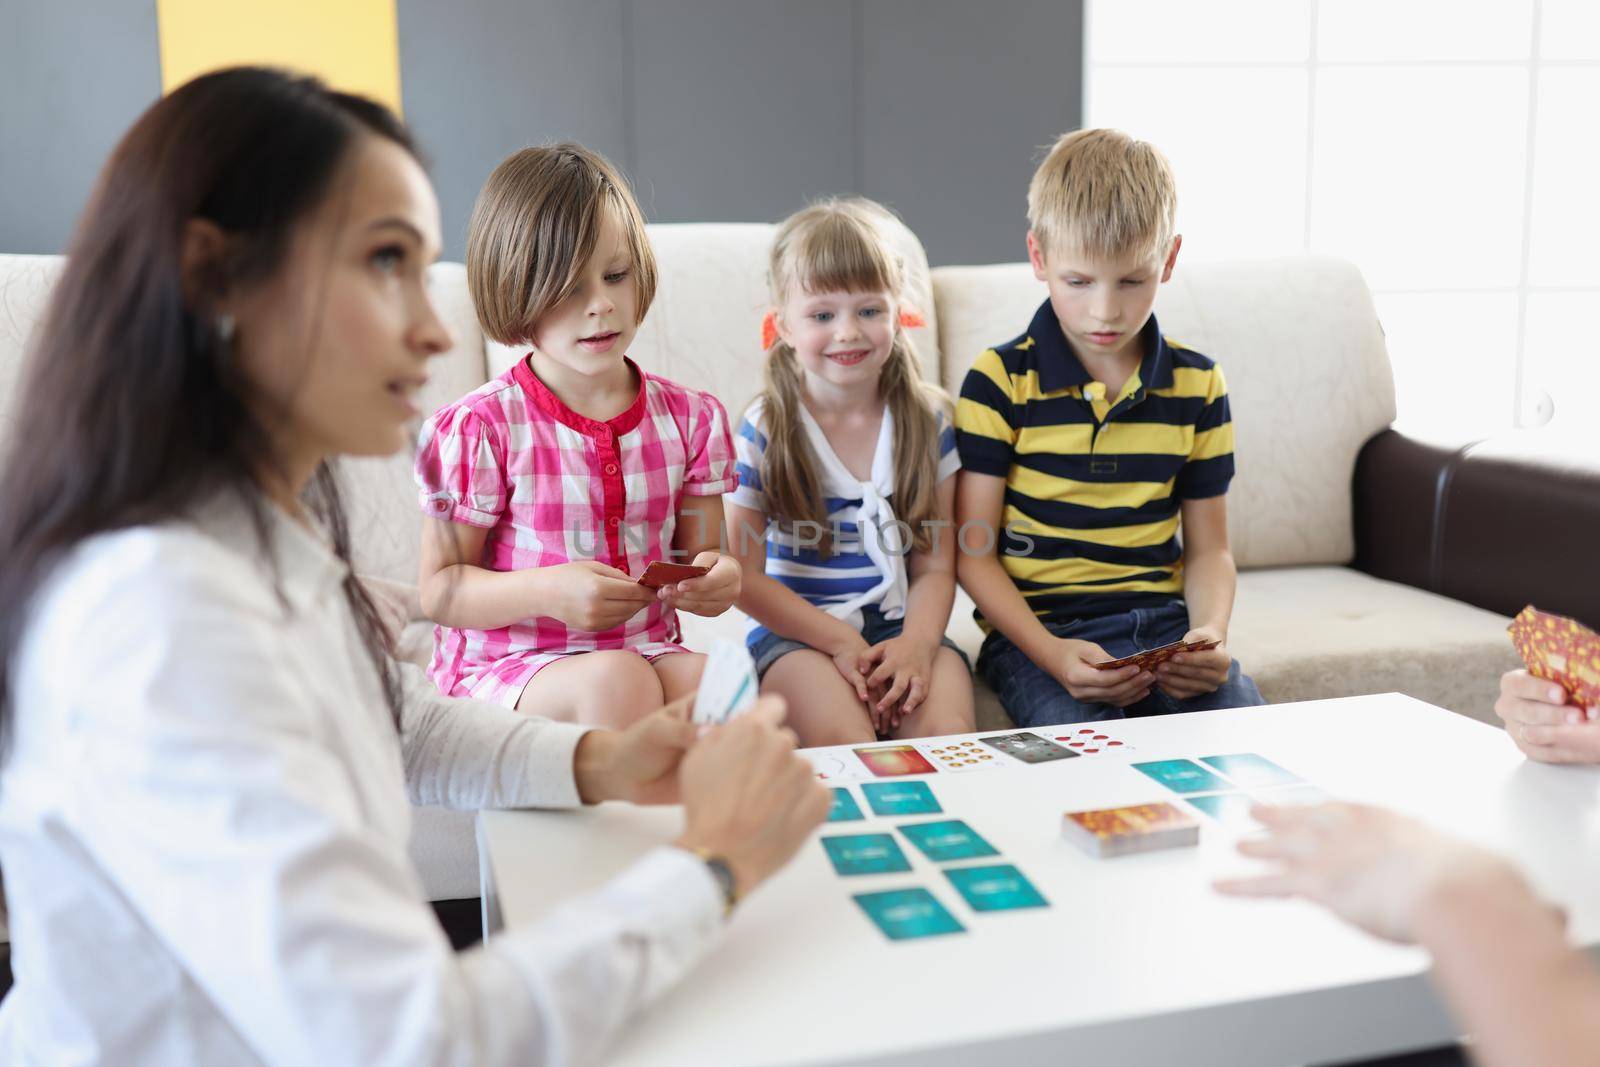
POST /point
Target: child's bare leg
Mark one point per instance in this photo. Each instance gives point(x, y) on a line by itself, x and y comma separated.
point(823, 707)
point(678, 673)
point(613, 688)
point(947, 709)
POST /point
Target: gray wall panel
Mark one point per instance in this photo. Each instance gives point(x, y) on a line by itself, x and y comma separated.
point(743, 109)
point(481, 78)
point(73, 77)
point(957, 100)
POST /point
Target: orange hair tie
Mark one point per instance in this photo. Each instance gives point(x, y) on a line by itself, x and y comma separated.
point(910, 319)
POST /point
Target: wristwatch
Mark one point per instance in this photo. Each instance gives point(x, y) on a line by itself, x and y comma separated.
point(725, 881)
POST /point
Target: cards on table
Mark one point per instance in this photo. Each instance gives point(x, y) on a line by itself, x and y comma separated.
point(1560, 650)
point(1028, 747)
point(1182, 776)
point(901, 798)
point(727, 684)
point(906, 913)
point(1138, 828)
point(853, 854)
point(958, 757)
point(1251, 771)
point(845, 808)
point(1089, 740)
point(1229, 810)
point(947, 840)
point(1152, 658)
point(662, 573)
point(891, 761)
point(997, 888)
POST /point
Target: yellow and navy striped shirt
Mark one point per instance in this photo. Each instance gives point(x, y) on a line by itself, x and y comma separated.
point(1094, 483)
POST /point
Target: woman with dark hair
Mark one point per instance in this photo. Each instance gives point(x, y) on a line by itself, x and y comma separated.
point(208, 748)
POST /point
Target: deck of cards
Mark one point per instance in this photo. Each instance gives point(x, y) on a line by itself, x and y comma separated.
point(727, 684)
point(1120, 831)
point(1560, 650)
point(1152, 658)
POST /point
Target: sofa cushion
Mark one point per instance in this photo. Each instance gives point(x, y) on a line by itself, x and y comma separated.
point(1307, 372)
point(704, 328)
point(1309, 633)
point(380, 493)
point(25, 284)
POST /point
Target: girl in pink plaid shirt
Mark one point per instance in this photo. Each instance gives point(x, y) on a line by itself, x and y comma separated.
point(550, 489)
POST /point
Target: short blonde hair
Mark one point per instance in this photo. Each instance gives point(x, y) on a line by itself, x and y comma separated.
point(1105, 194)
point(534, 227)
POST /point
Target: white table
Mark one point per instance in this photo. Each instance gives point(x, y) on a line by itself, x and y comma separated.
point(1136, 961)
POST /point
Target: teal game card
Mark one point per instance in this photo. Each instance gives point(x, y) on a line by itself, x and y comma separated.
point(908, 913)
point(844, 807)
point(998, 888)
point(865, 854)
point(901, 798)
point(949, 840)
point(1182, 776)
point(1250, 770)
point(1230, 810)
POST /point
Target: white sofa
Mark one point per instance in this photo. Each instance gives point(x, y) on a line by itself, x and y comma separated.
point(1310, 381)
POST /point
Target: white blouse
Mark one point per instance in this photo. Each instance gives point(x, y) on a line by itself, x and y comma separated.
point(203, 824)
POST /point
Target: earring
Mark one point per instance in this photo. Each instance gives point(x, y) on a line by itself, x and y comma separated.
point(224, 327)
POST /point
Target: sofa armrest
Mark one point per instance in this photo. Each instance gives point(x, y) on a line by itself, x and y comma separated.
point(1498, 523)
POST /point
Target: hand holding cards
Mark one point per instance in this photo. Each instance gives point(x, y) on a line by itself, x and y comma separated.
point(1559, 650)
point(1152, 658)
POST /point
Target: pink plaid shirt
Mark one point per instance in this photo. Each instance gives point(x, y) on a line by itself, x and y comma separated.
point(552, 486)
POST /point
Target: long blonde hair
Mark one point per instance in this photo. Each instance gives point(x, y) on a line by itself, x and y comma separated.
point(839, 245)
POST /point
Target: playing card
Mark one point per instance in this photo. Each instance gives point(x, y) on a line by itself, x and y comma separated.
point(834, 764)
point(845, 808)
point(853, 854)
point(662, 573)
point(901, 798)
point(1560, 650)
point(1182, 776)
point(1230, 810)
point(997, 888)
point(890, 761)
point(959, 757)
point(950, 839)
point(728, 683)
point(1151, 658)
point(908, 913)
point(1138, 828)
point(1090, 740)
point(1027, 747)
point(1250, 770)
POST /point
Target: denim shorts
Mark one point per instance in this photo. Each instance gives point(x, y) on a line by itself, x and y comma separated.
point(768, 648)
point(1033, 697)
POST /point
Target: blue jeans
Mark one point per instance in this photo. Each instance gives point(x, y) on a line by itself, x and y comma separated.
point(1032, 697)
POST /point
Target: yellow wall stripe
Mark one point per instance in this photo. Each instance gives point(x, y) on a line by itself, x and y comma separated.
point(353, 45)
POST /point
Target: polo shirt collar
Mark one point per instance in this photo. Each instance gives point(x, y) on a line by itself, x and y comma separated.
point(1059, 368)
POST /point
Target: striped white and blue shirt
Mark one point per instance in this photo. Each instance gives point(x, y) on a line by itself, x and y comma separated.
point(865, 566)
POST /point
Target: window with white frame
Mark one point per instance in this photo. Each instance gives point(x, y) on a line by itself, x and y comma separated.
point(1449, 148)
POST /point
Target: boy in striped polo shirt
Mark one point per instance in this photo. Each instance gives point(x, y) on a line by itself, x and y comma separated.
point(1086, 443)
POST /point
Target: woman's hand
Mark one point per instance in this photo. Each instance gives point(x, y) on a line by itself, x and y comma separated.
point(1543, 725)
point(1372, 867)
point(1191, 674)
point(901, 669)
point(710, 594)
point(747, 797)
point(639, 764)
point(588, 595)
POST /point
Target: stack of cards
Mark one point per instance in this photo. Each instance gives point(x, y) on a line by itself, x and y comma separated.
point(727, 684)
point(1151, 658)
point(1560, 650)
point(1120, 831)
